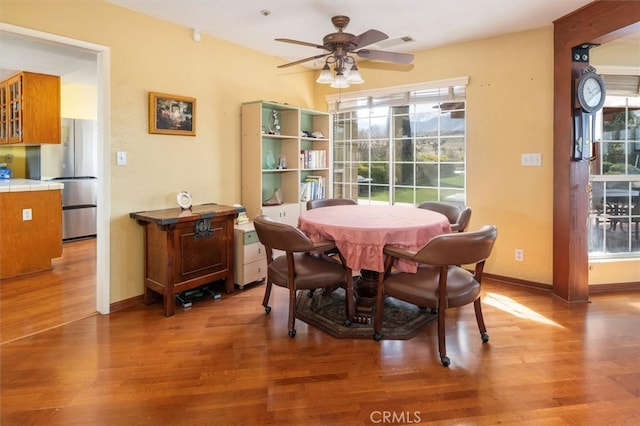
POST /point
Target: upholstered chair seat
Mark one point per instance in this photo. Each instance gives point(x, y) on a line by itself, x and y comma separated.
point(439, 282)
point(302, 266)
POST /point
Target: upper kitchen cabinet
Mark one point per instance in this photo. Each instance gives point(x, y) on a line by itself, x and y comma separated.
point(30, 109)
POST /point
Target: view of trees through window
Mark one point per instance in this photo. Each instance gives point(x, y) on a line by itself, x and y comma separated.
point(401, 154)
point(614, 228)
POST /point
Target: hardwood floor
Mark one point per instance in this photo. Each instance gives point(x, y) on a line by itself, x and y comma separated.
point(32, 303)
point(226, 362)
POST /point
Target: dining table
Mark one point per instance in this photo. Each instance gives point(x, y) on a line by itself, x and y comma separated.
point(360, 233)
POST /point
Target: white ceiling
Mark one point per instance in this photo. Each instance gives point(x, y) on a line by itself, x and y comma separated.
point(24, 53)
point(429, 23)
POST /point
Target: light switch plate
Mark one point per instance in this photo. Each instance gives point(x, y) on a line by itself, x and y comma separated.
point(121, 158)
point(532, 159)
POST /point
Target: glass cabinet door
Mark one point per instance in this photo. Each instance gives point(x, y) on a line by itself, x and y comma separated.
point(14, 92)
point(3, 114)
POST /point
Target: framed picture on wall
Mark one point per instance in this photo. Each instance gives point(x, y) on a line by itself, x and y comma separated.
point(171, 114)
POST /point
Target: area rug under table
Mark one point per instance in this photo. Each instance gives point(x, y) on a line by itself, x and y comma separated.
point(327, 312)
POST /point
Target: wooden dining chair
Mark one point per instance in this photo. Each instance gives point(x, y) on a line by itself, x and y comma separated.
point(439, 283)
point(459, 217)
point(303, 266)
point(327, 202)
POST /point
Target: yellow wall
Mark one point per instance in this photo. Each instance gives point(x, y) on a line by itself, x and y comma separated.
point(509, 113)
point(18, 160)
point(611, 271)
point(152, 55)
point(78, 101)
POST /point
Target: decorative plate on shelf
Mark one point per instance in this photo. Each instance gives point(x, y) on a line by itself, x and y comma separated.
point(184, 200)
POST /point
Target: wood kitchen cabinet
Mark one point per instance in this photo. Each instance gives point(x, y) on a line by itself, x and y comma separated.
point(30, 226)
point(30, 109)
point(3, 113)
point(185, 249)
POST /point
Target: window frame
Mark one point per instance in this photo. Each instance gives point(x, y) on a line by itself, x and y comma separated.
point(355, 110)
point(612, 201)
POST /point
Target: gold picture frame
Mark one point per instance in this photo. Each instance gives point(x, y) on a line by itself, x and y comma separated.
point(172, 114)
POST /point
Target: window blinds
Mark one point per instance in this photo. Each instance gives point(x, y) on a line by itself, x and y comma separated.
point(431, 92)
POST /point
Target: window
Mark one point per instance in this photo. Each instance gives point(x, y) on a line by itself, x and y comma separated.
point(615, 181)
point(401, 146)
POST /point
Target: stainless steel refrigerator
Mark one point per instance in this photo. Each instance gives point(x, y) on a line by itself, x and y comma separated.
point(74, 163)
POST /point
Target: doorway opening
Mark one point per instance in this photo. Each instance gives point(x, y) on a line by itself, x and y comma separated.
point(71, 50)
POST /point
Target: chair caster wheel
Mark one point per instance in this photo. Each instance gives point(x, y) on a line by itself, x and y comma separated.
point(347, 323)
point(377, 336)
point(445, 361)
point(485, 337)
point(267, 309)
point(292, 333)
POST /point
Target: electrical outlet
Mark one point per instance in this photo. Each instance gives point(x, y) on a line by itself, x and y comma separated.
point(519, 255)
point(26, 214)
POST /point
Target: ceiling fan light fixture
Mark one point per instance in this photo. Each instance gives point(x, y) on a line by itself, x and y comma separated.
point(354, 76)
point(343, 48)
point(325, 76)
point(340, 81)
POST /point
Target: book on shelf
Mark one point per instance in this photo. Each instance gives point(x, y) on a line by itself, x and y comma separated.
point(312, 188)
point(313, 159)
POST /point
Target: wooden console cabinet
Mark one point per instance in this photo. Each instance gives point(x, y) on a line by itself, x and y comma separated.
point(185, 249)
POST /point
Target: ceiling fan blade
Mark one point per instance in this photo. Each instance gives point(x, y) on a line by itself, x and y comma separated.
point(380, 55)
point(311, 58)
point(368, 37)
point(302, 43)
point(384, 66)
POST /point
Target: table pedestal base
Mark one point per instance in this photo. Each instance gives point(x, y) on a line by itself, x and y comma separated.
point(365, 288)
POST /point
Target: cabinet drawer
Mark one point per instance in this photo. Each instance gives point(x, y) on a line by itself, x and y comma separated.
point(249, 237)
point(253, 252)
point(255, 271)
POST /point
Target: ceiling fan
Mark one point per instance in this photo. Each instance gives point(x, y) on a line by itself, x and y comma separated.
point(341, 48)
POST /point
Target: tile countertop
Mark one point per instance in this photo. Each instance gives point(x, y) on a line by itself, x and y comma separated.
point(22, 185)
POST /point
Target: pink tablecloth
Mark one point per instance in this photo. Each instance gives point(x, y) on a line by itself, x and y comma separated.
point(361, 231)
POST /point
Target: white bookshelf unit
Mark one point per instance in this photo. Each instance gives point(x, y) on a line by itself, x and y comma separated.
point(302, 144)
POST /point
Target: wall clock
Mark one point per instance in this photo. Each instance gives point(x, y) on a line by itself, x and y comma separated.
point(590, 91)
point(589, 96)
